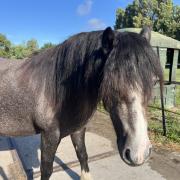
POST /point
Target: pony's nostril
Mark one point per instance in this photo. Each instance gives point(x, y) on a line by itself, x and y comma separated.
point(127, 155)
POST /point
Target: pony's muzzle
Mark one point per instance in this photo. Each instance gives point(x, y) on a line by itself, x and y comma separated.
point(136, 158)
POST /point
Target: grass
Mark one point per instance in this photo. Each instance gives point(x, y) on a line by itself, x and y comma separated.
point(178, 89)
point(172, 124)
point(172, 138)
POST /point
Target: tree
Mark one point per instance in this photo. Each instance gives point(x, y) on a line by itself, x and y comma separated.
point(5, 46)
point(161, 15)
point(22, 51)
point(177, 19)
point(47, 45)
point(32, 45)
point(119, 19)
point(19, 52)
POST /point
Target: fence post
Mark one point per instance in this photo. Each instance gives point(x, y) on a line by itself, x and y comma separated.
point(174, 65)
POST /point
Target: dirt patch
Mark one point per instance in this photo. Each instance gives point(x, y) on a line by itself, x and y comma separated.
point(166, 162)
point(101, 124)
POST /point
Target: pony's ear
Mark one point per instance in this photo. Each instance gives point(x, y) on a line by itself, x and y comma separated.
point(107, 40)
point(146, 33)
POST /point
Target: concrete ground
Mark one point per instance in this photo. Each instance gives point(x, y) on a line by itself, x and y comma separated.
point(5, 158)
point(10, 164)
point(104, 160)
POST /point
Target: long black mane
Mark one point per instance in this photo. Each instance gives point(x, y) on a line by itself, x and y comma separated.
point(75, 69)
point(71, 71)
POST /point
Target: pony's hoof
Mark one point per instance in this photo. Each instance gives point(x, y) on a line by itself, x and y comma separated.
point(86, 176)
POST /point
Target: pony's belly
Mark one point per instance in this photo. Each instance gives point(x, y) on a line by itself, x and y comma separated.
point(16, 129)
point(18, 133)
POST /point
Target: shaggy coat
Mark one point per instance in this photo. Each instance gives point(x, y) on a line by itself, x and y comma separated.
point(56, 91)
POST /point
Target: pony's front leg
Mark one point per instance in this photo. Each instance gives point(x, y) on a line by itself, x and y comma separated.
point(78, 140)
point(49, 142)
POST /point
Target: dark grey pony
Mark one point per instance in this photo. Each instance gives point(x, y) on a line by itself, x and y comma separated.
point(56, 91)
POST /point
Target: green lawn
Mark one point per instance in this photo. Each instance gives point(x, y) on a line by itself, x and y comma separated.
point(172, 124)
point(178, 74)
point(178, 89)
point(166, 74)
point(172, 118)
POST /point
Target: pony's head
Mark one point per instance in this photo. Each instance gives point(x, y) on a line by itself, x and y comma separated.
point(130, 72)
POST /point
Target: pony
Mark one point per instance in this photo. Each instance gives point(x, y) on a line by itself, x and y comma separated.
point(56, 91)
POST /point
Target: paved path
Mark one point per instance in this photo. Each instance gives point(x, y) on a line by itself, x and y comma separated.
point(10, 164)
point(105, 163)
point(111, 168)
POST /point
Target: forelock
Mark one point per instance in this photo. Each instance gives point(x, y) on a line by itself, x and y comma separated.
point(131, 65)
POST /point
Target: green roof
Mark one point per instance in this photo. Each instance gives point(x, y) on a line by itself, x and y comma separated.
point(157, 39)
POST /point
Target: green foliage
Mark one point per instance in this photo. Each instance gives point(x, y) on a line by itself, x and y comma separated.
point(20, 51)
point(161, 15)
point(24, 50)
point(32, 45)
point(47, 45)
point(178, 89)
point(172, 123)
point(119, 19)
point(5, 46)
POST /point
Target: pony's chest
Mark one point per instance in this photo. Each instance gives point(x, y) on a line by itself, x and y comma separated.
point(73, 119)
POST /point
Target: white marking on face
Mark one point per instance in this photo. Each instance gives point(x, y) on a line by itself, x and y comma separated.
point(141, 134)
point(86, 175)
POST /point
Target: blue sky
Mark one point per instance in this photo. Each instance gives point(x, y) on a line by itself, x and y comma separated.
point(55, 20)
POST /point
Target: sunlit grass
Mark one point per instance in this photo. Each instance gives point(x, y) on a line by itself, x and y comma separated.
point(172, 125)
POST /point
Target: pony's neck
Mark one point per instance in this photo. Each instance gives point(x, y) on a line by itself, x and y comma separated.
point(79, 67)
